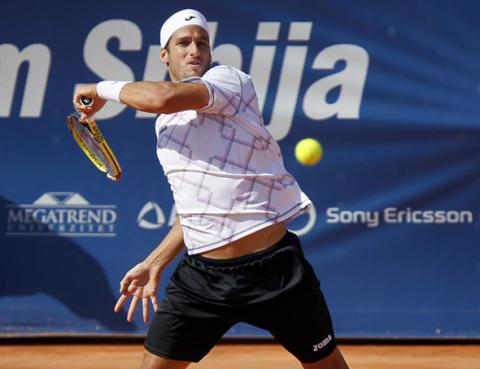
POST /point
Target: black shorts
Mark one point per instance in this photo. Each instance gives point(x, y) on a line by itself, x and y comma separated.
point(273, 289)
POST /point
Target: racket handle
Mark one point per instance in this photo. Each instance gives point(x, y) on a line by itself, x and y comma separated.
point(86, 101)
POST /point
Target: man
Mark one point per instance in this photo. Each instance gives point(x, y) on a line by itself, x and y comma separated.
point(233, 197)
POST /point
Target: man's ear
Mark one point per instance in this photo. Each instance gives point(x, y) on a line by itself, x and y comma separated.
point(164, 55)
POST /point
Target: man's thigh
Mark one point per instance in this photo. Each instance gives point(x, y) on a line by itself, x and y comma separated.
point(184, 338)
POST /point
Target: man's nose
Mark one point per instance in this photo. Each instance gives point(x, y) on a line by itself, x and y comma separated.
point(194, 49)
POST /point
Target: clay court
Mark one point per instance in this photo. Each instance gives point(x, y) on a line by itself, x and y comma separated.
point(238, 356)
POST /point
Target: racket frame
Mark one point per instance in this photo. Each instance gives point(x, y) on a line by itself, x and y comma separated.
point(112, 168)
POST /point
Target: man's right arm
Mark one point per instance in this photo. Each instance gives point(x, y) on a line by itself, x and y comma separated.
point(164, 97)
point(153, 97)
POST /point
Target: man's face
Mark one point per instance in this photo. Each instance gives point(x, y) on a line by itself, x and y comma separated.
point(187, 53)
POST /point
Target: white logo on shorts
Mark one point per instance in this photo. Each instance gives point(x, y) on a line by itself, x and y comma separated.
point(324, 343)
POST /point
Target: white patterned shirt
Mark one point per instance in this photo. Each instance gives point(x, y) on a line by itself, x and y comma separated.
point(224, 168)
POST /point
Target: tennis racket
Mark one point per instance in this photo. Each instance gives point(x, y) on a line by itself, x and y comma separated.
point(90, 139)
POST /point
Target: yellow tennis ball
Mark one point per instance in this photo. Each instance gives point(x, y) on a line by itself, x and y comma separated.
point(308, 151)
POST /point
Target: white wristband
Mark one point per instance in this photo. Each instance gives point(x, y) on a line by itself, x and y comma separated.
point(110, 90)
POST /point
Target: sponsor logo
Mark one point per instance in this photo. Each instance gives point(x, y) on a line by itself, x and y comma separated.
point(190, 18)
point(312, 219)
point(163, 129)
point(158, 216)
point(392, 215)
point(61, 213)
point(322, 344)
point(151, 216)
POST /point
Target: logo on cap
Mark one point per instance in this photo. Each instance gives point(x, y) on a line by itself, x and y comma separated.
point(190, 18)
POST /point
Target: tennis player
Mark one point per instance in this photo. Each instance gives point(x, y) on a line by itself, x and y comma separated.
point(233, 197)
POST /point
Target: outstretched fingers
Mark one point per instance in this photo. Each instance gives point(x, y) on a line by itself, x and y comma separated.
point(120, 302)
point(137, 293)
point(133, 307)
point(154, 301)
point(145, 309)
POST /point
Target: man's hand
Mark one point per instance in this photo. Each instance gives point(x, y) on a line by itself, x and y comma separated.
point(91, 92)
point(140, 282)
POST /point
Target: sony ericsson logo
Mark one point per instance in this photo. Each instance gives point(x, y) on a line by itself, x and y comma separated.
point(190, 18)
point(61, 213)
point(394, 215)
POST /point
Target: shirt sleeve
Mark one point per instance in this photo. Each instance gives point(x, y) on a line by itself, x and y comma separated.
point(225, 88)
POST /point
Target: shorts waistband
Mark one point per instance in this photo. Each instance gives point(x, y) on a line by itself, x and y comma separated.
point(288, 239)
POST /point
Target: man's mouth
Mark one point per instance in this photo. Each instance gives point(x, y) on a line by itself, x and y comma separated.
point(194, 62)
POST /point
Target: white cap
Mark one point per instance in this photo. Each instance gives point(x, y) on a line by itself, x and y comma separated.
point(182, 18)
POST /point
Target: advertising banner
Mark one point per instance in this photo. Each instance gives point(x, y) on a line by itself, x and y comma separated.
point(390, 89)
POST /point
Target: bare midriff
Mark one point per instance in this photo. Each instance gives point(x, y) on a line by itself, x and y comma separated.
point(249, 244)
